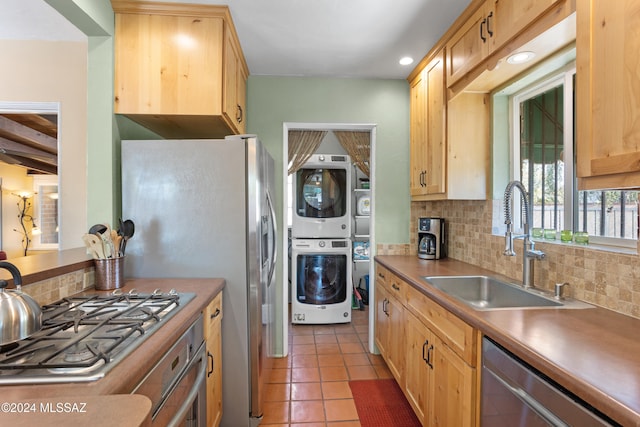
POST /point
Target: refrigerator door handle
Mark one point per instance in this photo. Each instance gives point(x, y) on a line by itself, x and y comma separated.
point(274, 231)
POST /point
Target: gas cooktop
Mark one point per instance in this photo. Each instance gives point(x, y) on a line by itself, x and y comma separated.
point(83, 337)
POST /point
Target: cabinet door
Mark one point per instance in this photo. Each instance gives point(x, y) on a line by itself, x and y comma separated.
point(213, 336)
point(381, 319)
point(428, 130)
point(417, 136)
point(436, 125)
point(396, 339)
point(231, 108)
point(417, 369)
point(156, 74)
point(608, 94)
point(506, 18)
point(453, 389)
point(241, 93)
point(467, 47)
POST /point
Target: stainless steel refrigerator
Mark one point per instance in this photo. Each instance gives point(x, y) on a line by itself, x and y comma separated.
point(203, 208)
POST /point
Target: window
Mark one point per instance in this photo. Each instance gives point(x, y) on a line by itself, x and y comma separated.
point(542, 141)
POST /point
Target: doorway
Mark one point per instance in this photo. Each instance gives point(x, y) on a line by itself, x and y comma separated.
point(363, 229)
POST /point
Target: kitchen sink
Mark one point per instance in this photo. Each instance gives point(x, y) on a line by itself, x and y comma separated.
point(490, 293)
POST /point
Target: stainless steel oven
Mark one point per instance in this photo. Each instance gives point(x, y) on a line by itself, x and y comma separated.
point(176, 384)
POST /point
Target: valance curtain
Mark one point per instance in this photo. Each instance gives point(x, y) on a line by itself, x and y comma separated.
point(357, 145)
point(302, 144)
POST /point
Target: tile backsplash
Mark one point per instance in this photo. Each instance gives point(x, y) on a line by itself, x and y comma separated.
point(51, 290)
point(603, 278)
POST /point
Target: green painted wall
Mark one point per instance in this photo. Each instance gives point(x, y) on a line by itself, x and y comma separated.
point(272, 101)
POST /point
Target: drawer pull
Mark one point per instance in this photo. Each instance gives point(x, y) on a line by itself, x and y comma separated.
point(429, 353)
point(425, 352)
point(210, 357)
point(396, 287)
point(216, 313)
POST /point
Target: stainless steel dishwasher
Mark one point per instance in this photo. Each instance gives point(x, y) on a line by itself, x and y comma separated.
point(515, 394)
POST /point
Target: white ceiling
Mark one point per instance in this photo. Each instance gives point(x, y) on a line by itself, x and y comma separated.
point(323, 38)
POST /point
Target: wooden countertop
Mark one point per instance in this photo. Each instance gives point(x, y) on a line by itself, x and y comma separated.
point(124, 376)
point(593, 352)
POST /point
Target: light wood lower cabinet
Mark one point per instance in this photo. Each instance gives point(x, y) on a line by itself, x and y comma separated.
point(419, 368)
point(213, 338)
point(437, 353)
point(389, 336)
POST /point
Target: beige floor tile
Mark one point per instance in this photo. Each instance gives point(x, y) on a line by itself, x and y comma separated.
point(304, 361)
point(335, 359)
point(326, 339)
point(348, 338)
point(336, 390)
point(362, 373)
point(276, 412)
point(305, 375)
point(277, 392)
point(341, 410)
point(333, 373)
point(343, 424)
point(352, 359)
point(303, 349)
point(351, 347)
point(328, 348)
point(306, 391)
point(280, 375)
point(307, 411)
point(303, 339)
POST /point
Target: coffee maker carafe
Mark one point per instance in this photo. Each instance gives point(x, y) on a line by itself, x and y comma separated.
point(431, 238)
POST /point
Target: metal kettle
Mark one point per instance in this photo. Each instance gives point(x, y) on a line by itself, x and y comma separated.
point(20, 315)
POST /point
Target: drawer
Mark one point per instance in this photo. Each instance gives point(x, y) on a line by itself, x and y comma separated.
point(212, 314)
point(454, 332)
point(394, 285)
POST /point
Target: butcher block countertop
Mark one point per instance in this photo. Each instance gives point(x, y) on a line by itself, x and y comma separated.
point(123, 377)
point(593, 352)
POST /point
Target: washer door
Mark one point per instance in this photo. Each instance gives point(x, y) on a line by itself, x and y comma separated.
point(321, 279)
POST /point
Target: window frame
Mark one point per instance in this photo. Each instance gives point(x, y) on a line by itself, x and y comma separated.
point(562, 76)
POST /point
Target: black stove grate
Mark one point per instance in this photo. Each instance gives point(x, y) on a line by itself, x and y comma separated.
point(83, 332)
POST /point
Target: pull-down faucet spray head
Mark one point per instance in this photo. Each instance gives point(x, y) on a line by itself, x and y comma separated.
point(508, 193)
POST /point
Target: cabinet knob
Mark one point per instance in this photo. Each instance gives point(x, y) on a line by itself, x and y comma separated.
point(215, 314)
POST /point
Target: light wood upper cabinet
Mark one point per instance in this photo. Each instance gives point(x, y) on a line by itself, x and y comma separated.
point(608, 94)
point(468, 46)
point(235, 83)
point(179, 69)
point(512, 16)
point(428, 130)
point(491, 27)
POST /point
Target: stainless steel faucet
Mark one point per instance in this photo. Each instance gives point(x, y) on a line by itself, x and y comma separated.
point(529, 252)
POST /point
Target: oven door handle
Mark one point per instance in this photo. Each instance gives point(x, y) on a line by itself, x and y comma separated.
point(191, 397)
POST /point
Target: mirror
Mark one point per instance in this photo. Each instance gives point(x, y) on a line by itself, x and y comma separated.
point(29, 164)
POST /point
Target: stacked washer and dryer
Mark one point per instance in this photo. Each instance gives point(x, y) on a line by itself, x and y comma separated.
point(321, 267)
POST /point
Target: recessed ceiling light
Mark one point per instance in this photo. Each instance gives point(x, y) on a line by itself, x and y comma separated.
point(520, 57)
point(407, 60)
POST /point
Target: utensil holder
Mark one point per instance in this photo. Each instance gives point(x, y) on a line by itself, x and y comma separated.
point(109, 273)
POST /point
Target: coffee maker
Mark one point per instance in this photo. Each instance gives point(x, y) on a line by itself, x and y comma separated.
point(431, 238)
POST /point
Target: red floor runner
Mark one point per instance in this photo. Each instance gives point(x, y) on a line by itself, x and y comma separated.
point(380, 403)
